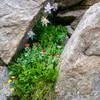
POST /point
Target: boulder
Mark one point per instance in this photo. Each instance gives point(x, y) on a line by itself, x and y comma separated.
point(67, 3)
point(79, 75)
point(77, 14)
point(4, 85)
point(16, 17)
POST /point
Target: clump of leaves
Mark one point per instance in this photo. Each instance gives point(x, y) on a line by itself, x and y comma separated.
point(36, 68)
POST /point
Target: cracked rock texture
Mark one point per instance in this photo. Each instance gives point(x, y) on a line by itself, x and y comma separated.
point(16, 16)
point(4, 86)
point(80, 69)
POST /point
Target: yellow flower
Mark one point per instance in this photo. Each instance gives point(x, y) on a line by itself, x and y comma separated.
point(12, 89)
point(12, 77)
point(42, 18)
point(60, 61)
point(9, 81)
point(37, 95)
point(4, 84)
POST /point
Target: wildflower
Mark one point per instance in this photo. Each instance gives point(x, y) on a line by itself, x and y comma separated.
point(12, 86)
point(4, 84)
point(12, 77)
point(37, 95)
point(35, 43)
point(56, 55)
point(9, 81)
point(30, 34)
point(48, 8)
point(26, 45)
point(44, 21)
point(43, 51)
point(58, 46)
point(50, 54)
point(55, 6)
point(48, 47)
point(42, 18)
point(12, 89)
point(60, 61)
point(39, 45)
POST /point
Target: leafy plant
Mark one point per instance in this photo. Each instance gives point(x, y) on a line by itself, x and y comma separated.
point(35, 69)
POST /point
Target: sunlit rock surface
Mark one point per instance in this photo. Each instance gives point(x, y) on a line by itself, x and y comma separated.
point(80, 69)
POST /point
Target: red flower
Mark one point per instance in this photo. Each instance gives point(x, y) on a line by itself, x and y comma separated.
point(35, 43)
point(48, 47)
point(43, 51)
point(26, 45)
point(39, 45)
point(56, 55)
point(50, 54)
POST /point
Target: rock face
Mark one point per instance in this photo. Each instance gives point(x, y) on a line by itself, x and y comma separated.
point(15, 18)
point(4, 86)
point(67, 3)
point(90, 2)
point(80, 68)
point(77, 14)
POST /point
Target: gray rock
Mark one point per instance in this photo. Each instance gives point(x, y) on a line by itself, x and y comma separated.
point(67, 3)
point(4, 86)
point(80, 68)
point(16, 17)
point(76, 13)
point(70, 30)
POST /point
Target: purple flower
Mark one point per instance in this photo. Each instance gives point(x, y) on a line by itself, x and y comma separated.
point(48, 8)
point(30, 34)
point(44, 21)
point(55, 6)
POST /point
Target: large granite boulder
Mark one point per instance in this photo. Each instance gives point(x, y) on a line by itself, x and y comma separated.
point(16, 16)
point(80, 68)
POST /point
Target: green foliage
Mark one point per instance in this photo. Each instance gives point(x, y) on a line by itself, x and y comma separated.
point(36, 71)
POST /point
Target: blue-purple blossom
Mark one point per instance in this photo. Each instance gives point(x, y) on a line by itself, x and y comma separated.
point(44, 21)
point(12, 86)
point(48, 8)
point(30, 34)
point(55, 6)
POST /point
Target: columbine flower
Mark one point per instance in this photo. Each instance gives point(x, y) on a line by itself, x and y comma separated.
point(30, 34)
point(9, 81)
point(44, 21)
point(48, 8)
point(55, 6)
point(26, 45)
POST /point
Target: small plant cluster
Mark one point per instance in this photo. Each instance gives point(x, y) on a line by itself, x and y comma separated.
point(34, 71)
